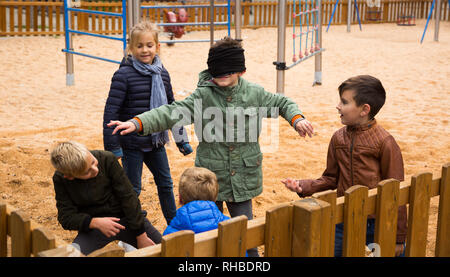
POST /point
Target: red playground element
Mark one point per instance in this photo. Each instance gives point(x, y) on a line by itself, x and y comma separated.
point(172, 17)
point(406, 20)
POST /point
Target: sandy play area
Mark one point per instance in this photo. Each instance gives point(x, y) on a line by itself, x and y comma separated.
point(38, 109)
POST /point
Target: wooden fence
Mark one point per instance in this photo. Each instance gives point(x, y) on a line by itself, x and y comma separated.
point(19, 18)
point(305, 228)
point(27, 238)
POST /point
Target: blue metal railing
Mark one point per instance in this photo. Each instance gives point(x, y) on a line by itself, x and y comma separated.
point(68, 30)
point(221, 23)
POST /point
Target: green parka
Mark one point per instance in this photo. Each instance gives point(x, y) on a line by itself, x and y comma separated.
point(227, 124)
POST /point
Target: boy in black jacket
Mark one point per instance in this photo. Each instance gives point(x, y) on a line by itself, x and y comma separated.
point(94, 196)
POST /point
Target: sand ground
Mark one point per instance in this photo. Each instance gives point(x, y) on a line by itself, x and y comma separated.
point(38, 109)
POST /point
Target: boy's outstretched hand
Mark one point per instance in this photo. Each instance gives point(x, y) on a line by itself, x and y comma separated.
point(292, 185)
point(127, 127)
point(304, 127)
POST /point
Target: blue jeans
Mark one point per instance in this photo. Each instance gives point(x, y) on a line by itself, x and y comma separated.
point(158, 164)
point(339, 236)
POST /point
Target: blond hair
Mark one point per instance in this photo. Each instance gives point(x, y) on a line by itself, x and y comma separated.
point(198, 183)
point(138, 29)
point(69, 158)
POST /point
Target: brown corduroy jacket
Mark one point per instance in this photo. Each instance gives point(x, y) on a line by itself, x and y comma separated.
point(363, 155)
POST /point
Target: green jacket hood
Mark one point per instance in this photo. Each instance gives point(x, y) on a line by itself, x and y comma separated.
point(204, 79)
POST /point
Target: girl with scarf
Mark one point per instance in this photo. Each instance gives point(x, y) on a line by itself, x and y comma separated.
point(139, 85)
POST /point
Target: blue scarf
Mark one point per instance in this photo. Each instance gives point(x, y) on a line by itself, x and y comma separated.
point(158, 95)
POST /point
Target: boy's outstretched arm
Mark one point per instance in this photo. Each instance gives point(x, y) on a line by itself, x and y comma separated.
point(289, 110)
point(159, 119)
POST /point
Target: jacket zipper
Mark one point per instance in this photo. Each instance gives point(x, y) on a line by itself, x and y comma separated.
point(351, 158)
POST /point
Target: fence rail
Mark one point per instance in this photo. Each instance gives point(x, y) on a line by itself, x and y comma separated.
point(28, 18)
point(305, 228)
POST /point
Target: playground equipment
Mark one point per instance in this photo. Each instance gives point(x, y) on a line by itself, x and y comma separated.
point(173, 17)
point(349, 15)
point(73, 6)
point(311, 16)
point(303, 228)
point(406, 20)
point(373, 11)
point(130, 16)
point(437, 20)
point(180, 24)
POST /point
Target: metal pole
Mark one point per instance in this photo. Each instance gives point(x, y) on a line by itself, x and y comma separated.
point(281, 61)
point(124, 27)
point(129, 16)
point(238, 19)
point(70, 79)
point(349, 15)
point(318, 57)
point(437, 20)
point(136, 11)
point(211, 20)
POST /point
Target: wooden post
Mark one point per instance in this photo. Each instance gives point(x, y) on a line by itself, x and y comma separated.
point(179, 244)
point(3, 230)
point(232, 237)
point(20, 235)
point(109, 250)
point(278, 231)
point(388, 196)
point(42, 240)
point(419, 205)
point(355, 222)
point(308, 217)
point(330, 197)
point(386, 12)
point(443, 226)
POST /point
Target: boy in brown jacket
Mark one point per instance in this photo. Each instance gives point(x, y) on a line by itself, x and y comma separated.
point(361, 153)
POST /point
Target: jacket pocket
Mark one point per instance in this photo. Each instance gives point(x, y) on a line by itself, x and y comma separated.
point(253, 172)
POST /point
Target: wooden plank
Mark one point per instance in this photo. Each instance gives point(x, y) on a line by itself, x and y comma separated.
point(308, 216)
point(27, 18)
point(355, 222)
point(43, 24)
point(179, 244)
point(232, 236)
point(20, 235)
point(152, 251)
point(58, 20)
point(330, 197)
point(2, 19)
point(11, 18)
point(3, 230)
point(50, 18)
point(443, 226)
point(63, 251)
point(419, 200)
point(35, 19)
point(41, 240)
point(112, 249)
point(387, 216)
point(278, 231)
point(19, 18)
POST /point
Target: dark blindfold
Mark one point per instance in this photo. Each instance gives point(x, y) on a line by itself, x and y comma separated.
point(225, 60)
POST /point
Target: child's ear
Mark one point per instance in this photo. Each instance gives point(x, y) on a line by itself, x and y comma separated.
point(241, 73)
point(180, 200)
point(365, 110)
